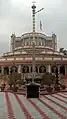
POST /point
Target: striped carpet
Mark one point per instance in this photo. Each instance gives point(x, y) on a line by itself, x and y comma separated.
point(15, 106)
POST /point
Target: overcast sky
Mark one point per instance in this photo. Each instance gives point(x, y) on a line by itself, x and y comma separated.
point(15, 16)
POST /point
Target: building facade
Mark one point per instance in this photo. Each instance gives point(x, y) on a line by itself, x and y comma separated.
point(40, 40)
point(21, 55)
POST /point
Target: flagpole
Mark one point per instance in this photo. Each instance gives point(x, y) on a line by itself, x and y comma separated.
point(33, 41)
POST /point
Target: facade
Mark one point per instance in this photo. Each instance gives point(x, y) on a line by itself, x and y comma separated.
point(40, 40)
point(21, 56)
point(32, 52)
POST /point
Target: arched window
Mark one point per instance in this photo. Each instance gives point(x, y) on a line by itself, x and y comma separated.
point(42, 69)
point(62, 70)
point(54, 69)
point(13, 69)
point(25, 69)
point(6, 70)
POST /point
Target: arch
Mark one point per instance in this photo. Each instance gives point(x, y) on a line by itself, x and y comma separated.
point(25, 69)
point(54, 69)
point(62, 69)
point(42, 69)
point(13, 69)
point(6, 70)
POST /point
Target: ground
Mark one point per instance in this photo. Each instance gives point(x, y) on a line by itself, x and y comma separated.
point(15, 106)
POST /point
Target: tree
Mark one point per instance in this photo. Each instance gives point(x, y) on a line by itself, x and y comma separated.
point(14, 78)
point(48, 79)
point(65, 52)
point(62, 50)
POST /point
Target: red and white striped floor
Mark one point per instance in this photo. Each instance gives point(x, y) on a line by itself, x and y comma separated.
point(15, 106)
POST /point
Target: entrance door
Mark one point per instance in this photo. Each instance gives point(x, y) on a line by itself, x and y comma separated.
point(6, 70)
point(13, 69)
point(42, 69)
point(62, 70)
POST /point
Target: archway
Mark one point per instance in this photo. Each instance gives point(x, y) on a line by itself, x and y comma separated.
point(62, 70)
point(13, 69)
point(42, 69)
point(6, 70)
point(25, 69)
point(54, 69)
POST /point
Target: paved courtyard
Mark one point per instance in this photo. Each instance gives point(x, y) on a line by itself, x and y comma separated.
point(15, 106)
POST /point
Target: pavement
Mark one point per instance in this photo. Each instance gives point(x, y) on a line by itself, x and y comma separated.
point(16, 106)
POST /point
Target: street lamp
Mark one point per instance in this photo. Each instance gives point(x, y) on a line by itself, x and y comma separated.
point(33, 41)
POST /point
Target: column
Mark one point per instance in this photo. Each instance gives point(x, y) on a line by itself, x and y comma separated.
point(49, 68)
point(9, 69)
point(19, 68)
point(29, 69)
point(2, 69)
point(38, 69)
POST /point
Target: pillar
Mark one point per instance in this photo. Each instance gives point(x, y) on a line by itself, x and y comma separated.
point(9, 69)
point(29, 69)
point(38, 69)
point(19, 68)
point(2, 69)
point(49, 68)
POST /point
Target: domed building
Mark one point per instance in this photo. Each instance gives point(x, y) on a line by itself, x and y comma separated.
point(23, 57)
point(46, 54)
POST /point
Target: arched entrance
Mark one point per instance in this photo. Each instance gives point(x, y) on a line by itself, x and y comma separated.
point(13, 69)
point(25, 69)
point(54, 69)
point(42, 69)
point(62, 70)
point(6, 70)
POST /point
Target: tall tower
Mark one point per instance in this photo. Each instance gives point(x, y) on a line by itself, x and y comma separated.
point(33, 16)
point(33, 43)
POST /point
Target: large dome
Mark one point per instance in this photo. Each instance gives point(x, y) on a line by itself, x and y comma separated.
point(40, 40)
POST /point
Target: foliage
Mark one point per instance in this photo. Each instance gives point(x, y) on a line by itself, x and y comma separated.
point(62, 50)
point(48, 78)
point(14, 78)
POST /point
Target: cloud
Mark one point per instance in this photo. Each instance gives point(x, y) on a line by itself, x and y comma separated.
point(5, 8)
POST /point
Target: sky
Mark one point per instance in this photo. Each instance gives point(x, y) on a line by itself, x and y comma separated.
point(16, 17)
